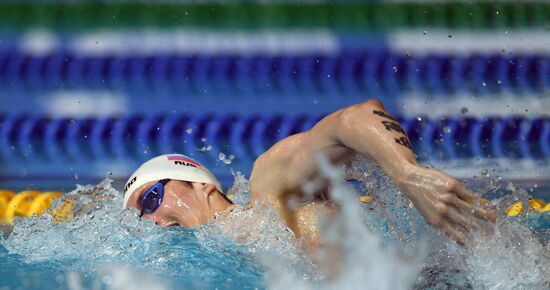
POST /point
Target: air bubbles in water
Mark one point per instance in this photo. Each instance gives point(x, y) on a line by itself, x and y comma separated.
point(205, 148)
point(226, 159)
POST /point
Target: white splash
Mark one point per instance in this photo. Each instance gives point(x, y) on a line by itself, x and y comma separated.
point(352, 256)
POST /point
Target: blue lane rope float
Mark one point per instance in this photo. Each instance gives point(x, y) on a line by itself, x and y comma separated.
point(329, 76)
point(38, 139)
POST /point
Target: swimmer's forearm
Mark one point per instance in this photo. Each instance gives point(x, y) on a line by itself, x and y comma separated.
point(369, 130)
point(365, 129)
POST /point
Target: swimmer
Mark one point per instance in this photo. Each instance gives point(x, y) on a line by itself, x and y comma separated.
point(174, 190)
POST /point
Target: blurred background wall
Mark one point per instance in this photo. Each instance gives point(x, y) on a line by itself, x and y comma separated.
point(90, 89)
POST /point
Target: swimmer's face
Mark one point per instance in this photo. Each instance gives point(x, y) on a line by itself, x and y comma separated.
point(187, 204)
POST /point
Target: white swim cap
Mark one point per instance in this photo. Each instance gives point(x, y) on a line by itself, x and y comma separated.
point(168, 166)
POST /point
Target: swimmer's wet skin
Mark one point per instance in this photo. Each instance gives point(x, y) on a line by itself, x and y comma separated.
point(190, 195)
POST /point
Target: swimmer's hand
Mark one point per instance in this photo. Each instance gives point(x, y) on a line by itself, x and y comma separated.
point(445, 203)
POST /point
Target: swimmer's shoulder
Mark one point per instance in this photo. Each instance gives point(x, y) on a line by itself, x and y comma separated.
point(271, 170)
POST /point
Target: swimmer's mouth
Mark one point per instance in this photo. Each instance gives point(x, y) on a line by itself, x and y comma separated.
point(170, 225)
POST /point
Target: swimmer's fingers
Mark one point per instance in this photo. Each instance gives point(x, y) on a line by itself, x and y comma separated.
point(474, 204)
point(458, 218)
point(457, 233)
point(468, 215)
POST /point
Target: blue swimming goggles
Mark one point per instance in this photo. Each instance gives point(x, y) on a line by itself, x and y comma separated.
point(152, 198)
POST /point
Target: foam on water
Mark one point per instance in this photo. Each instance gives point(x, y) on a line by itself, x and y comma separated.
point(352, 255)
point(383, 244)
point(102, 235)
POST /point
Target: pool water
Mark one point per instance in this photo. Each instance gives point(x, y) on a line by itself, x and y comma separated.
point(103, 247)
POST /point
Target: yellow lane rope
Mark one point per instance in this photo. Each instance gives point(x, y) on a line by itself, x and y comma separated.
point(28, 203)
point(535, 205)
point(24, 204)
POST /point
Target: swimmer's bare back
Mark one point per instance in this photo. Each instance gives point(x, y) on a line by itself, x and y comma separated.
point(368, 129)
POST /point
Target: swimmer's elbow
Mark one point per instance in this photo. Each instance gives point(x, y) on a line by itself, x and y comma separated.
point(368, 104)
point(375, 102)
point(346, 119)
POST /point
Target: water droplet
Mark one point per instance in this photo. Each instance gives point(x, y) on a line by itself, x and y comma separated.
point(231, 157)
point(75, 176)
point(59, 279)
point(484, 84)
point(497, 12)
point(189, 131)
point(450, 35)
point(221, 156)
point(419, 119)
point(499, 82)
point(464, 110)
point(203, 139)
point(425, 32)
point(447, 129)
point(107, 280)
point(395, 69)
point(485, 172)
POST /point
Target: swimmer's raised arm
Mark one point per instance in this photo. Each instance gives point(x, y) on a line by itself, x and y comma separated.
point(367, 129)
